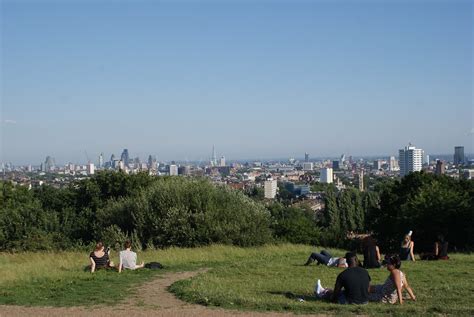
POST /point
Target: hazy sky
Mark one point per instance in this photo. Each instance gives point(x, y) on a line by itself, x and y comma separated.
point(258, 79)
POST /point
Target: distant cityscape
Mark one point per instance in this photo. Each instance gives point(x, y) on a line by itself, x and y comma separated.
point(295, 175)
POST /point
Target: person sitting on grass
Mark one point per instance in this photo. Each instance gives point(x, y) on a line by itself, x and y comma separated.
point(440, 250)
point(395, 283)
point(352, 285)
point(371, 253)
point(327, 259)
point(128, 258)
point(99, 258)
point(406, 249)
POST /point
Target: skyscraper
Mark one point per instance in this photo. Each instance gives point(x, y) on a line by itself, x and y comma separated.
point(214, 157)
point(222, 162)
point(270, 189)
point(306, 157)
point(90, 168)
point(125, 157)
point(440, 167)
point(326, 175)
point(361, 180)
point(101, 160)
point(458, 155)
point(173, 170)
point(411, 160)
point(393, 164)
point(49, 164)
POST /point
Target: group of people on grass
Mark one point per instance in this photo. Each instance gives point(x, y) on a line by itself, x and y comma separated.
point(355, 280)
point(100, 258)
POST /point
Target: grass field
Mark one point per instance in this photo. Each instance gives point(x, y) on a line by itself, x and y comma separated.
point(265, 278)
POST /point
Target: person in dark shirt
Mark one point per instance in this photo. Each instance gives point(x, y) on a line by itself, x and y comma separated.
point(352, 285)
point(440, 250)
point(99, 258)
point(371, 253)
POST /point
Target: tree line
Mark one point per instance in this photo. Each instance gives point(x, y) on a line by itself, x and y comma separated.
point(158, 212)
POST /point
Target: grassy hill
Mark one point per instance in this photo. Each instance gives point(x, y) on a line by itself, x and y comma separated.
point(263, 278)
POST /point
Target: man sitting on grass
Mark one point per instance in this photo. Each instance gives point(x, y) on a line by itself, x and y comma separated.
point(355, 281)
point(128, 258)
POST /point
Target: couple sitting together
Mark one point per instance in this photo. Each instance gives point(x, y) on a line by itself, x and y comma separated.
point(100, 258)
point(353, 284)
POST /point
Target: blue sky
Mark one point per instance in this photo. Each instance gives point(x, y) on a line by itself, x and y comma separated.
point(258, 79)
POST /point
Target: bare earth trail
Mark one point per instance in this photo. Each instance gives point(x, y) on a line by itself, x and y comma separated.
point(151, 299)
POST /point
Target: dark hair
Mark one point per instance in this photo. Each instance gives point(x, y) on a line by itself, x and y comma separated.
point(395, 261)
point(99, 245)
point(128, 244)
point(351, 259)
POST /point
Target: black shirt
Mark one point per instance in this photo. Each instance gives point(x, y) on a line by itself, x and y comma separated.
point(101, 262)
point(355, 281)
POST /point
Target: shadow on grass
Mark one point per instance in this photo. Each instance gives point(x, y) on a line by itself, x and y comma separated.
point(297, 297)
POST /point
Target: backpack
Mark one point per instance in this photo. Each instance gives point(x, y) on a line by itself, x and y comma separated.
point(154, 266)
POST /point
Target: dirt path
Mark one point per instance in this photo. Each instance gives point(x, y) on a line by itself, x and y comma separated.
point(152, 299)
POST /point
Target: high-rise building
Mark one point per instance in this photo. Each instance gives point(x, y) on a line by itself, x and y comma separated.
point(307, 166)
point(411, 160)
point(326, 175)
point(361, 180)
point(222, 162)
point(459, 155)
point(213, 160)
point(440, 167)
point(335, 165)
point(152, 163)
point(393, 164)
point(49, 164)
point(101, 160)
point(173, 170)
point(270, 189)
point(306, 157)
point(125, 158)
point(90, 168)
point(377, 165)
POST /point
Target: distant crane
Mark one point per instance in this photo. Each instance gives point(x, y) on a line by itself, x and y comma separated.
point(87, 156)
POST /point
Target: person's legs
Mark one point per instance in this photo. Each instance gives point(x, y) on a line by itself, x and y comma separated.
point(326, 253)
point(322, 257)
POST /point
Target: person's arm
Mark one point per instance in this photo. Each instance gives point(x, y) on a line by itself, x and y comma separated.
point(92, 264)
point(337, 290)
point(412, 246)
point(398, 283)
point(120, 264)
point(436, 248)
point(408, 288)
point(377, 253)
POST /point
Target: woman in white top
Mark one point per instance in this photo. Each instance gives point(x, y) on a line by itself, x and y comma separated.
point(128, 258)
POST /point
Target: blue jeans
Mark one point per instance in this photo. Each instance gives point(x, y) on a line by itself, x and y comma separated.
point(322, 257)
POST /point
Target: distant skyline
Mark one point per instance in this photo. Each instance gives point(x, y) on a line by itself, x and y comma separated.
point(257, 79)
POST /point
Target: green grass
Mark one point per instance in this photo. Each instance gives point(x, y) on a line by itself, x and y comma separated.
point(265, 278)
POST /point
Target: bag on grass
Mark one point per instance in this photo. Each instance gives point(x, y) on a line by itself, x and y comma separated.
point(153, 266)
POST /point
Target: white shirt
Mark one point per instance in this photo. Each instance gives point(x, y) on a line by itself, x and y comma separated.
point(337, 261)
point(128, 259)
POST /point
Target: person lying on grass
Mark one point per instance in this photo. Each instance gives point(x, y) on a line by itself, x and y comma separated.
point(395, 283)
point(352, 285)
point(99, 258)
point(327, 259)
point(128, 258)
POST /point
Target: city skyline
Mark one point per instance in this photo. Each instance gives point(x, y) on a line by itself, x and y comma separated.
point(259, 80)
